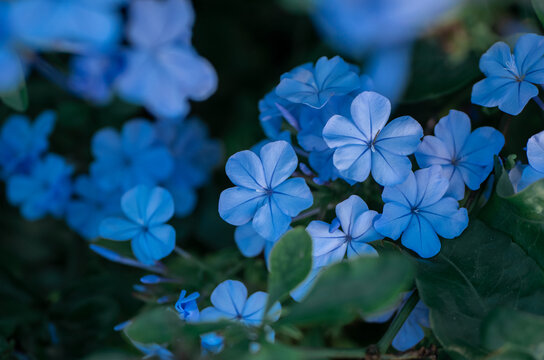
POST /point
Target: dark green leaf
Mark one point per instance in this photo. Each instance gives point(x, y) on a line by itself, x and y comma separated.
point(472, 275)
point(290, 263)
point(360, 286)
point(158, 325)
point(507, 330)
point(17, 99)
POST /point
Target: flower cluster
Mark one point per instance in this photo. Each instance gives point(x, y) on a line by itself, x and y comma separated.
point(158, 69)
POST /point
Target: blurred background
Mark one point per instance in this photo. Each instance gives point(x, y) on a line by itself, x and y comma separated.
point(59, 300)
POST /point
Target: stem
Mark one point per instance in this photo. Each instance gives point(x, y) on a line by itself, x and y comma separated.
point(397, 323)
point(539, 102)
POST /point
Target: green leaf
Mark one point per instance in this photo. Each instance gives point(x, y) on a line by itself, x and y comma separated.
point(17, 99)
point(538, 5)
point(519, 215)
point(159, 325)
point(472, 275)
point(290, 263)
point(361, 286)
point(510, 331)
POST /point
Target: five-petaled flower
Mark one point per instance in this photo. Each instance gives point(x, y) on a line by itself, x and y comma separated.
point(364, 144)
point(465, 157)
point(419, 211)
point(264, 194)
point(230, 302)
point(330, 244)
point(511, 79)
point(146, 210)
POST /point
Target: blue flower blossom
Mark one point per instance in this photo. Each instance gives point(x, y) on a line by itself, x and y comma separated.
point(535, 155)
point(162, 70)
point(419, 211)
point(75, 26)
point(22, 143)
point(465, 157)
point(12, 73)
point(45, 190)
point(314, 86)
point(511, 79)
point(130, 158)
point(364, 144)
point(330, 245)
point(264, 194)
point(146, 211)
point(90, 205)
point(187, 307)
point(93, 75)
point(230, 302)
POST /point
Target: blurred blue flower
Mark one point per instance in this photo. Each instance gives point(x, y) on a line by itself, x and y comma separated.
point(162, 70)
point(272, 110)
point(364, 144)
point(45, 190)
point(419, 211)
point(130, 158)
point(314, 86)
point(331, 244)
point(535, 155)
point(153, 351)
point(22, 143)
point(465, 157)
point(12, 73)
point(90, 204)
point(230, 302)
point(356, 26)
point(93, 75)
point(187, 307)
point(264, 193)
point(74, 26)
point(212, 343)
point(146, 211)
point(511, 79)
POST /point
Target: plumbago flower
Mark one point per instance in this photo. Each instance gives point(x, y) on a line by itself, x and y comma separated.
point(45, 190)
point(364, 144)
point(146, 211)
point(130, 158)
point(264, 194)
point(314, 86)
point(76, 25)
point(330, 244)
point(230, 302)
point(418, 210)
point(187, 307)
point(162, 70)
point(22, 143)
point(465, 157)
point(511, 79)
point(535, 155)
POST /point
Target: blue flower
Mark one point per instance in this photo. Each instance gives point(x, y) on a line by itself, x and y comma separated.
point(162, 70)
point(146, 211)
point(230, 302)
point(264, 193)
point(93, 75)
point(12, 73)
point(511, 79)
point(187, 307)
point(419, 211)
point(154, 351)
point(212, 343)
point(331, 244)
point(45, 190)
point(22, 143)
point(130, 158)
point(90, 205)
point(465, 157)
point(357, 26)
point(272, 110)
point(75, 26)
point(314, 86)
point(363, 144)
point(535, 155)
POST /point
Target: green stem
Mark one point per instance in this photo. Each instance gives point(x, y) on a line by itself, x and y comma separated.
point(397, 323)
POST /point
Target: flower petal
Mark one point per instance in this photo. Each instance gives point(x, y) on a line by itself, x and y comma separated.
point(421, 237)
point(230, 297)
point(269, 221)
point(248, 241)
point(370, 111)
point(528, 52)
point(353, 162)
point(401, 136)
point(340, 131)
point(120, 229)
point(146, 205)
point(453, 130)
point(432, 151)
point(388, 168)
point(394, 220)
point(279, 162)
point(446, 218)
point(431, 185)
point(535, 151)
point(245, 169)
point(349, 210)
point(237, 205)
point(325, 242)
point(293, 196)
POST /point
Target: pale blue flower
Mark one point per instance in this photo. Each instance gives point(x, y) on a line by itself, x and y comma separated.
point(465, 157)
point(535, 155)
point(364, 144)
